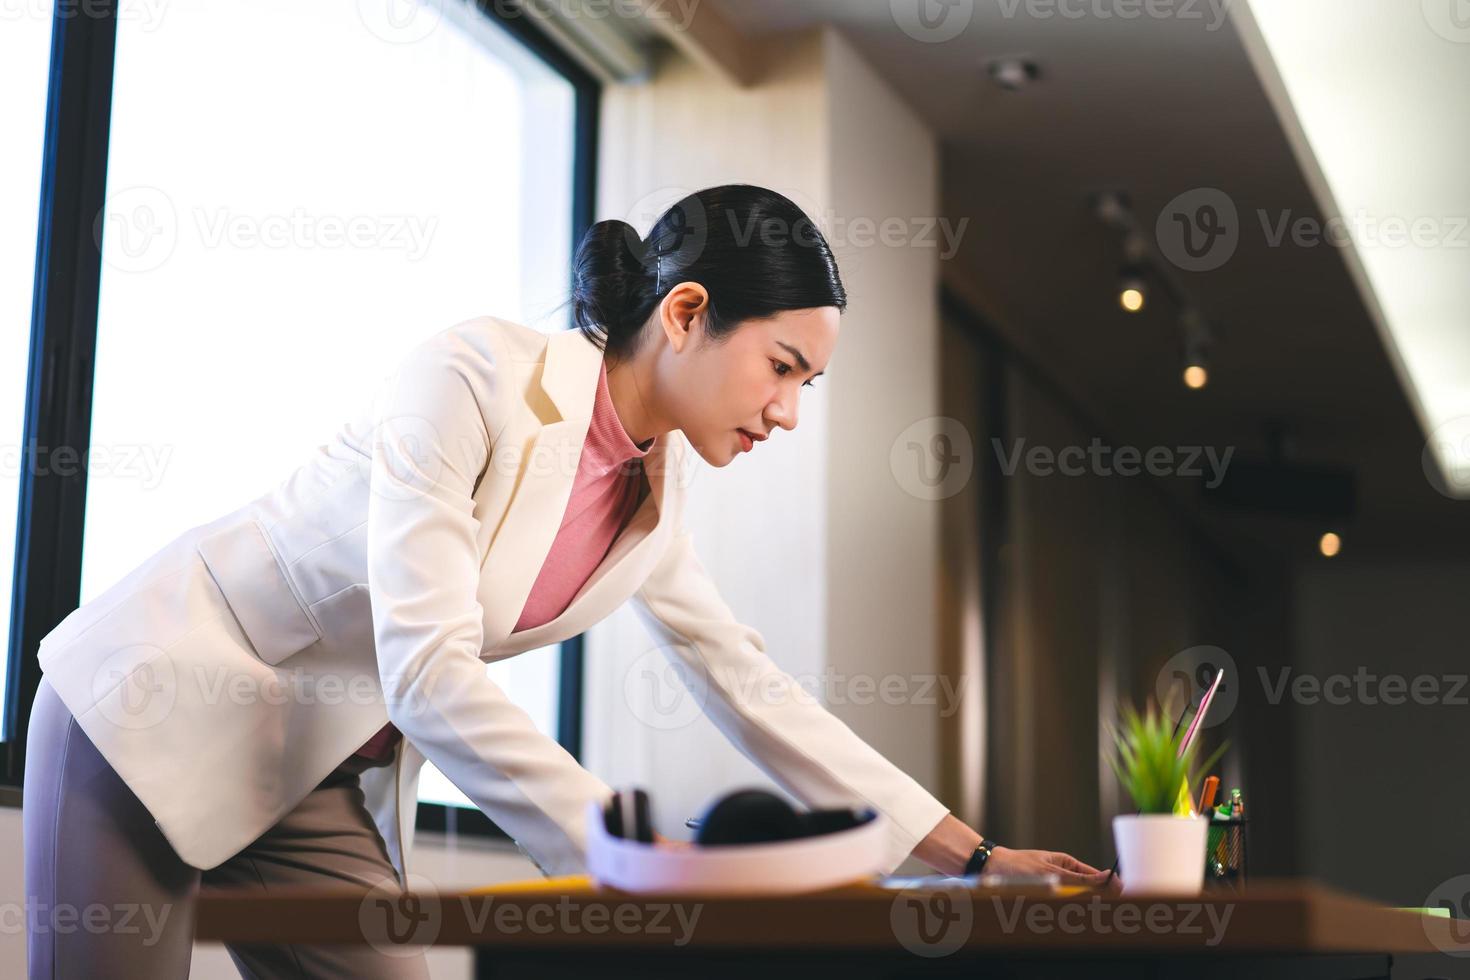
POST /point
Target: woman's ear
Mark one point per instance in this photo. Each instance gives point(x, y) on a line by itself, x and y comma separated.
point(680, 310)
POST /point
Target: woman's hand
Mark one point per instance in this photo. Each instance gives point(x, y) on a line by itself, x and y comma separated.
point(948, 847)
point(1069, 870)
point(678, 845)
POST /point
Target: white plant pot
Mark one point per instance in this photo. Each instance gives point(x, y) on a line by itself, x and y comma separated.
point(1161, 853)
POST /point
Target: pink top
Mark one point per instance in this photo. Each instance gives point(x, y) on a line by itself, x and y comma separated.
point(604, 496)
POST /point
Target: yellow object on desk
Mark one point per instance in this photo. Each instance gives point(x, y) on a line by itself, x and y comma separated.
point(562, 884)
point(584, 885)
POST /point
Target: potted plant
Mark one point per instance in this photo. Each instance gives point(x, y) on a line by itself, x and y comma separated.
point(1162, 847)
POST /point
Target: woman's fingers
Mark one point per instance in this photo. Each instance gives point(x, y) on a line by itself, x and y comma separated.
point(1070, 863)
point(1069, 877)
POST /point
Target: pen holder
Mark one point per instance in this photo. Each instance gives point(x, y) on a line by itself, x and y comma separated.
point(1225, 854)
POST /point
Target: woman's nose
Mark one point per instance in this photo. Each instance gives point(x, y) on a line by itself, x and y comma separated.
point(786, 420)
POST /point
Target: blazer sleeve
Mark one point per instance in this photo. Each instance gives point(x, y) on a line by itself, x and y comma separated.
point(804, 748)
point(431, 443)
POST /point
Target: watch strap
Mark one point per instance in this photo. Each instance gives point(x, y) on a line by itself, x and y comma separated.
point(978, 860)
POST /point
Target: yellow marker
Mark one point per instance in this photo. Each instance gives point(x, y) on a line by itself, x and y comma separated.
point(1184, 805)
point(563, 883)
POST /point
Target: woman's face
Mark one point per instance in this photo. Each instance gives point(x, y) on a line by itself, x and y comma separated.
point(752, 379)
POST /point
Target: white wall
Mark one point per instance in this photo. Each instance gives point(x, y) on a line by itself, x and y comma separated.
point(810, 538)
point(882, 541)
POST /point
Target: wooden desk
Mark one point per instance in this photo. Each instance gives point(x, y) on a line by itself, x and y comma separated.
point(563, 928)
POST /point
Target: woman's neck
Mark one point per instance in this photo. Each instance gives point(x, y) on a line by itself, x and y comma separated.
point(628, 385)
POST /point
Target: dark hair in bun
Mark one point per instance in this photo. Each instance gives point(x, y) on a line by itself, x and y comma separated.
point(752, 249)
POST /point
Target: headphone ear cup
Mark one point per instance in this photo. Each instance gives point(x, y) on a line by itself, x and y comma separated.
point(612, 814)
point(642, 817)
point(749, 816)
point(628, 816)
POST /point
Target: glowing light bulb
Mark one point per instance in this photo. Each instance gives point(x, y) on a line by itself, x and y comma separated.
point(1196, 377)
point(1330, 545)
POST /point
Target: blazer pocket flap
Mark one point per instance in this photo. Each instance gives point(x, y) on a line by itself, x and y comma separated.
point(256, 588)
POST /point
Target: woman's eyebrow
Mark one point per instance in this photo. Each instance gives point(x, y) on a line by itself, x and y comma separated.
point(800, 358)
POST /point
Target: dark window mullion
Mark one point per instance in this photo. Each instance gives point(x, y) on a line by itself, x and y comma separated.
point(64, 340)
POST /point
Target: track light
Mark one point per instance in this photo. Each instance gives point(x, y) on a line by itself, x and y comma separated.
point(1330, 545)
point(1196, 342)
point(1132, 290)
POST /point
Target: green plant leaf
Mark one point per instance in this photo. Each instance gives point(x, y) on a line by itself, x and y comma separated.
point(1147, 761)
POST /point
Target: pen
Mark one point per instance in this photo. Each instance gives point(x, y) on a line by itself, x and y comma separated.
point(1207, 795)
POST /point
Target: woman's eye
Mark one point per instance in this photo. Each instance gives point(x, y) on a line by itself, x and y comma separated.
point(783, 369)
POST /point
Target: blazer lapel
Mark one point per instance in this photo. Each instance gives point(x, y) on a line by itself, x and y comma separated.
point(547, 472)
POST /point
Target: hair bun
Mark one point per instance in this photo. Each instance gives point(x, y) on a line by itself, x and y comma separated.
point(612, 267)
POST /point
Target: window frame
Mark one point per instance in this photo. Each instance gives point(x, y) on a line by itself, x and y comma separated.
point(51, 507)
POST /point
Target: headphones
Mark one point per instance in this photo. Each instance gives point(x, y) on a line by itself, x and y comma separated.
point(750, 841)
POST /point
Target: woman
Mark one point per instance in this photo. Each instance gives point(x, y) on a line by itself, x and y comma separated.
point(252, 704)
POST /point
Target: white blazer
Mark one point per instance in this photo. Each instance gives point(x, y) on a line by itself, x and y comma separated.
point(236, 667)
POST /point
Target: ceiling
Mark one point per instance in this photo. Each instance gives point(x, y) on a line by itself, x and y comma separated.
point(1158, 107)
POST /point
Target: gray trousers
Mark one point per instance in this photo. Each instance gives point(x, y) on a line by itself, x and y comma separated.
point(106, 896)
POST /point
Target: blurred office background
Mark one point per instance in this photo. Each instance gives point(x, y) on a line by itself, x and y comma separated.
point(1157, 361)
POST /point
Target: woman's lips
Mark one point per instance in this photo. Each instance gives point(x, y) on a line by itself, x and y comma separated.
point(747, 443)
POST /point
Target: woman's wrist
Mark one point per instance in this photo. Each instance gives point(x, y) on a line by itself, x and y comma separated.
point(948, 847)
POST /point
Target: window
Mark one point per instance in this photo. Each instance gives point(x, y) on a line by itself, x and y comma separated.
point(25, 53)
point(273, 242)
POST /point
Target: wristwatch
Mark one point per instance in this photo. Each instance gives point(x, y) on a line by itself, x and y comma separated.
point(977, 861)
